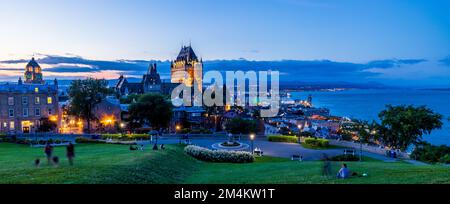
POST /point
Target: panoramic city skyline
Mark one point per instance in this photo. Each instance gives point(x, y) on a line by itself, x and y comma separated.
point(106, 31)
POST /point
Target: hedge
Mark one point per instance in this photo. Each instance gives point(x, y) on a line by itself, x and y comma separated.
point(282, 138)
point(345, 157)
point(205, 154)
point(315, 142)
point(126, 136)
point(432, 153)
point(81, 140)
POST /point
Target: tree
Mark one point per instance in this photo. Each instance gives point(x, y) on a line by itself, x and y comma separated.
point(367, 131)
point(129, 99)
point(402, 125)
point(153, 109)
point(46, 125)
point(85, 95)
point(241, 126)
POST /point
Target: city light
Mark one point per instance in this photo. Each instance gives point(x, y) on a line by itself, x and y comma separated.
point(108, 120)
point(53, 118)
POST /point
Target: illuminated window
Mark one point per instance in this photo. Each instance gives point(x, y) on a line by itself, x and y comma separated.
point(49, 100)
point(11, 101)
point(37, 100)
point(11, 125)
point(36, 90)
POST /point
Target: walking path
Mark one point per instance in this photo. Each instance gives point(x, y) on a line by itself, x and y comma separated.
point(278, 149)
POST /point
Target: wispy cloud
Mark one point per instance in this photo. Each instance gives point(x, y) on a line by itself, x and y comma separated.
point(72, 66)
point(445, 61)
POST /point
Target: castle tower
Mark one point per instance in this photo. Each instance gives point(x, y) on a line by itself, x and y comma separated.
point(151, 81)
point(187, 62)
point(33, 73)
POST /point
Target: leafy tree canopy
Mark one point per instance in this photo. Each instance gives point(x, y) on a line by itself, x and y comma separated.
point(154, 109)
point(85, 95)
point(403, 125)
point(241, 126)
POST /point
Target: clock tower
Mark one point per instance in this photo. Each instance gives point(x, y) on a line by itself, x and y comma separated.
point(33, 73)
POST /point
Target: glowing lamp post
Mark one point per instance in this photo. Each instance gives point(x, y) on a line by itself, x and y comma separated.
point(252, 138)
point(122, 126)
point(177, 128)
point(300, 127)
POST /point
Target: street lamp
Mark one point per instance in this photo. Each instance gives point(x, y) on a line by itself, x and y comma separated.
point(252, 138)
point(299, 126)
point(177, 128)
point(122, 125)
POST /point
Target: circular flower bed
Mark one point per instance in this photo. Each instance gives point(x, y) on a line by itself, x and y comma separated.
point(230, 144)
point(219, 155)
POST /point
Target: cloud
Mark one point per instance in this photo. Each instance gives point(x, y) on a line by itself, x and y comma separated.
point(391, 63)
point(445, 61)
point(73, 66)
point(412, 72)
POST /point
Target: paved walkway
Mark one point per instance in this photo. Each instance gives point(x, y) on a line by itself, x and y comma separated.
point(278, 149)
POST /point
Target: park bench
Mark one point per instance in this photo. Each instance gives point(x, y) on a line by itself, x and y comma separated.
point(296, 157)
point(258, 152)
point(349, 151)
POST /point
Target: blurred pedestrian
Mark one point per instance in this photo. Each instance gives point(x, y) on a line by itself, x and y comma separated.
point(48, 150)
point(70, 153)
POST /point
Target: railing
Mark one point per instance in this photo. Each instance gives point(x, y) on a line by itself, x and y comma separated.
point(367, 148)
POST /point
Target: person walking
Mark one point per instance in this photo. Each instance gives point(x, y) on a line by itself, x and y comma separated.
point(70, 153)
point(48, 150)
point(326, 170)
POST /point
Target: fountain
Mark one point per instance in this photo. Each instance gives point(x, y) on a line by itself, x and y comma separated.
point(230, 145)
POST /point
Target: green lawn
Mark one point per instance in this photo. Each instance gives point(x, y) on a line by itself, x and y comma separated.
point(102, 163)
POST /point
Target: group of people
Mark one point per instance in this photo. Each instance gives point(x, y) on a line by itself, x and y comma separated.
point(54, 160)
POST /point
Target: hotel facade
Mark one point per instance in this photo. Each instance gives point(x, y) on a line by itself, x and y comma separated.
point(23, 105)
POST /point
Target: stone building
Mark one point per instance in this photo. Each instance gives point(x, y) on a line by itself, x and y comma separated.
point(23, 105)
point(187, 68)
point(151, 83)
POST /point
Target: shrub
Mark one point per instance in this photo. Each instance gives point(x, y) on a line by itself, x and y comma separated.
point(315, 142)
point(345, 157)
point(205, 154)
point(445, 159)
point(86, 140)
point(430, 153)
point(126, 137)
point(282, 138)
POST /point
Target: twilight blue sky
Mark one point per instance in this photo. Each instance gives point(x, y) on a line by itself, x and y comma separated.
point(342, 31)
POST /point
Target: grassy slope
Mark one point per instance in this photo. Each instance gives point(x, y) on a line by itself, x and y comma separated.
point(101, 163)
point(95, 163)
point(286, 172)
